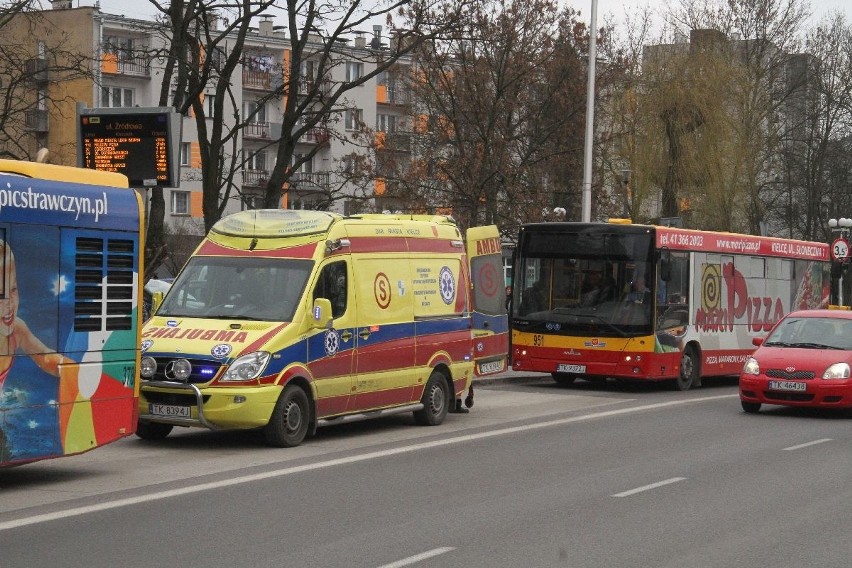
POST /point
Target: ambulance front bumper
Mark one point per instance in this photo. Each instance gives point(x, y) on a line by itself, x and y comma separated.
point(183, 404)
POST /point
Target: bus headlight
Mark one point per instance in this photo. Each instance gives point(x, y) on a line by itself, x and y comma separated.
point(247, 367)
point(751, 367)
point(837, 371)
point(147, 367)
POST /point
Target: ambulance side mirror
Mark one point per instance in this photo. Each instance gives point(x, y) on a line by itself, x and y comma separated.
point(156, 300)
point(321, 314)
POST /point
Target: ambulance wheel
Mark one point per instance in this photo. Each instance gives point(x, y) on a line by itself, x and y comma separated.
point(436, 401)
point(289, 423)
point(564, 379)
point(153, 430)
point(689, 375)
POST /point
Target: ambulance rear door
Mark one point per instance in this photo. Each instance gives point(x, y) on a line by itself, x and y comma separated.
point(490, 323)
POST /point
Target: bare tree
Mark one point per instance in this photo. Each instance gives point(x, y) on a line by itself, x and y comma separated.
point(202, 57)
point(817, 173)
point(497, 119)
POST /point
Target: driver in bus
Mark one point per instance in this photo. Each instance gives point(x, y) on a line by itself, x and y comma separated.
point(639, 291)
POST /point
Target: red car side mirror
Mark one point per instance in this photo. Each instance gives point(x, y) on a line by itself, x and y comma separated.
point(757, 341)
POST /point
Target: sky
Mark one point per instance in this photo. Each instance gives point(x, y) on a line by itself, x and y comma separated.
point(617, 8)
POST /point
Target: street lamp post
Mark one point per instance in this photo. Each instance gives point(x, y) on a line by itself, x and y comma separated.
point(840, 249)
point(590, 118)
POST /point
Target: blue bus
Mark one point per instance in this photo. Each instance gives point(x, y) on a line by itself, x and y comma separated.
point(70, 284)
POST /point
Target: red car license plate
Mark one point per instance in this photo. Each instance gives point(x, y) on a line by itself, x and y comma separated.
point(788, 386)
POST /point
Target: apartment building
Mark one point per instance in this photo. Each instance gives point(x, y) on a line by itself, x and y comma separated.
point(126, 73)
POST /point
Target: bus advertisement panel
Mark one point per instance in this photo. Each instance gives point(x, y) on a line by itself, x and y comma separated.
point(598, 300)
point(69, 326)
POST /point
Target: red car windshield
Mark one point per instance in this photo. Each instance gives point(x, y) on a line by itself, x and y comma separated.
point(812, 333)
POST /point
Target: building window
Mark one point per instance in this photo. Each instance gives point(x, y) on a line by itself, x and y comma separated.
point(256, 107)
point(180, 202)
point(211, 99)
point(185, 153)
point(386, 123)
point(353, 119)
point(354, 70)
point(255, 160)
point(122, 46)
point(116, 97)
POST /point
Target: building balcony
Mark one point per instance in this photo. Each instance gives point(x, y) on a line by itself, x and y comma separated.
point(316, 136)
point(393, 141)
point(258, 80)
point(396, 96)
point(36, 69)
point(308, 182)
point(257, 130)
point(36, 120)
point(255, 178)
point(128, 64)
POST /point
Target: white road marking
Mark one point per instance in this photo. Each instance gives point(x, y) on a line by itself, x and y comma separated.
point(417, 558)
point(807, 444)
point(160, 495)
point(649, 487)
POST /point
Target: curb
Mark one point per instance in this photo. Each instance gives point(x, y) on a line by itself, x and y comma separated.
point(510, 378)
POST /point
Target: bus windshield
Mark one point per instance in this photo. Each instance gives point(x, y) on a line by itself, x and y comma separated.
point(243, 288)
point(586, 281)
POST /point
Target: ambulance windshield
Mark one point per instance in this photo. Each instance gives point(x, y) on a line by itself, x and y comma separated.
point(240, 288)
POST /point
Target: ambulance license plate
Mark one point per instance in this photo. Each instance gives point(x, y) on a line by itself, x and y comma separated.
point(564, 368)
point(169, 410)
point(491, 367)
point(788, 386)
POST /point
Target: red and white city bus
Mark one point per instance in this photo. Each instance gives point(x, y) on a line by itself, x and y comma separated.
point(598, 300)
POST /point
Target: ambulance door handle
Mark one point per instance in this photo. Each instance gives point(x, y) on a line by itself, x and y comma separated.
point(346, 335)
point(364, 333)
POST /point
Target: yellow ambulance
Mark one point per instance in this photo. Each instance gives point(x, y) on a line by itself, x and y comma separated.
point(287, 320)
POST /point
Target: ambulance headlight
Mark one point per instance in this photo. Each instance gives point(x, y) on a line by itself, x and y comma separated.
point(247, 367)
point(181, 369)
point(148, 367)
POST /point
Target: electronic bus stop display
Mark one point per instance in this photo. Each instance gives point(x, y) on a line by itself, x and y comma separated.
point(141, 143)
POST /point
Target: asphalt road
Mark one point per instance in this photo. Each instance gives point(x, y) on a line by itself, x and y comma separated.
point(534, 476)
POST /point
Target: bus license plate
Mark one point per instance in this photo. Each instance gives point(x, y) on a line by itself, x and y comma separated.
point(787, 386)
point(492, 367)
point(564, 368)
point(169, 410)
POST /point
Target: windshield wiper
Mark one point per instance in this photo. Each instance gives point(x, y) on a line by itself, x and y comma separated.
point(777, 344)
point(232, 317)
point(809, 345)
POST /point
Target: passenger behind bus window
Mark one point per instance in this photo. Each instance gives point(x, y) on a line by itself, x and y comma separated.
point(534, 298)
point(596, 289)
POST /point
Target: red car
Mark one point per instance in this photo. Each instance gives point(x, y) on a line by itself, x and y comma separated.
point(804, 361)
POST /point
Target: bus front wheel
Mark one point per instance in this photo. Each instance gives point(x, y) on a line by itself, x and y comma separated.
point(690, 369)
